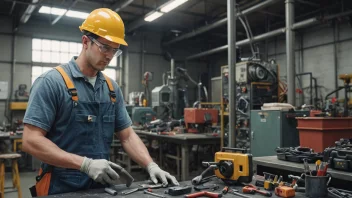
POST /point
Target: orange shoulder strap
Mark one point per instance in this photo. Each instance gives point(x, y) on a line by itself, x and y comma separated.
point(69, 84)
point(111, 89)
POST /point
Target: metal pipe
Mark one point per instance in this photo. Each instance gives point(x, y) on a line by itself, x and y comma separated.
point(13, 65)
point(311, 21)
point(231, 42)
point(221, 22)
point(277, 32)
point(336, 35)
point(142, 56)
point(290, 53)
point(301, 64)
point(316, 93)
point(310, 85)
point(239, 43)
point(172, 68)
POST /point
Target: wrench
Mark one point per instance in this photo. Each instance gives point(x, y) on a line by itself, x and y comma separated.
point(130, 191)
point(156, 195)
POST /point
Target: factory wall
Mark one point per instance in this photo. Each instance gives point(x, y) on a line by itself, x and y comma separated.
point(133, 68)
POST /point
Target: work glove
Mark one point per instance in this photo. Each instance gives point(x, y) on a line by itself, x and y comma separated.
point(100, 170)
point(155, 172)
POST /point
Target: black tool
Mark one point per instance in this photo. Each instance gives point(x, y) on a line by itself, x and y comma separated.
point(179, 190)
point(121, 171)
point(339, 193)
point(203, 187)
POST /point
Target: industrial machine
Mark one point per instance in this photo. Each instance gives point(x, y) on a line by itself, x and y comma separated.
point(200, 119)
point(230, 167)
point(332, 107)
point(256, 84)
point(274, 126)
point(171, 98)
point(142, 115)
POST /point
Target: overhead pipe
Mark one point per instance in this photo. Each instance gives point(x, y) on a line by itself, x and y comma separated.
point(290, 52)
point(239, 43)
point(266, 35)
point(60, 16)
point(231, 42)
point(315, 20)
point(221, 22)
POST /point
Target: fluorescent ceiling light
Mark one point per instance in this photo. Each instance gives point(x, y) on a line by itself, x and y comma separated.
point(172, 5)
point(76, 14)
point(59, 11)
point(53, 11)
point(153, 16)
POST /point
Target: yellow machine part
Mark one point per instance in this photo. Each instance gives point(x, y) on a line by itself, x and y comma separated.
point(18, 105)
point(242, 164)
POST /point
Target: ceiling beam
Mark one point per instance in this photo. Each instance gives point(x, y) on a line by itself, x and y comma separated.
point(182, 12)
point(120, 5)
point(28, 12)
point(60, 16)
point(308, 3)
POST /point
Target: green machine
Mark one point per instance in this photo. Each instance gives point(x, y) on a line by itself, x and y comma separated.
point(273, 128)
point(129, 110)
point(142, 115)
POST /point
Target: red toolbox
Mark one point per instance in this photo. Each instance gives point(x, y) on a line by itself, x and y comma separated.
point(319, 133)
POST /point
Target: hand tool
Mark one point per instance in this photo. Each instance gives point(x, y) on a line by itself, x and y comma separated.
point(123, 173)
point(110, 191)
point(339, 193)
point(197, 180)
point(130, 191)
point(284, 191)
point(203, 194)
point(251, 190)
point(178, 190)
point(203, 187)
point(235, 192)
point(142, 187)
point(306, 166)
point(317, 164)
point(225, 190)
point(149, 192)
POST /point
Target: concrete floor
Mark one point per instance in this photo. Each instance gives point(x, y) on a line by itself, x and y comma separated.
point(28, 180)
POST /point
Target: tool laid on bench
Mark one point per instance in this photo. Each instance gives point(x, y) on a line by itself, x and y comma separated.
point(142, 187)
point(149, 192)
point(204, 187)
point(178, 190)
point(251, 190)
point(204, 194)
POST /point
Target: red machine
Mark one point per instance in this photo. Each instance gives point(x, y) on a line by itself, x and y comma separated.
point(200, 119)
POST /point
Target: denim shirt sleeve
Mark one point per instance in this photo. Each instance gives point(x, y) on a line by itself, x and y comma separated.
point(122, 119)
point(42, 104)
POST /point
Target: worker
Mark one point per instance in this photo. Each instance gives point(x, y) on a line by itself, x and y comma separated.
point(73, 112)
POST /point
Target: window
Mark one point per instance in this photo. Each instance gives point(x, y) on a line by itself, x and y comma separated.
point(50, 52)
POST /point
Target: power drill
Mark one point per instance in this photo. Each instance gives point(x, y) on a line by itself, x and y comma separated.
point(231, 167)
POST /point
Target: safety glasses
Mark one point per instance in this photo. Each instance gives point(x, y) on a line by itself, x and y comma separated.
point(106, 48)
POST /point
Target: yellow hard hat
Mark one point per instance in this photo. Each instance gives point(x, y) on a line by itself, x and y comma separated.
point(106, 24)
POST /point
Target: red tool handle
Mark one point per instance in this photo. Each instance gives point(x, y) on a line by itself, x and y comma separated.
point(265, 193)
point(204, 193)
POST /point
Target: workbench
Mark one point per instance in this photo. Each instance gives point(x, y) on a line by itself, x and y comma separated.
point(182, 141)
point(271, 163)
point(99, 193)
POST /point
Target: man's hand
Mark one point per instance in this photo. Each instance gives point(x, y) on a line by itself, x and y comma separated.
point(155, 172)
point(100, 171)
